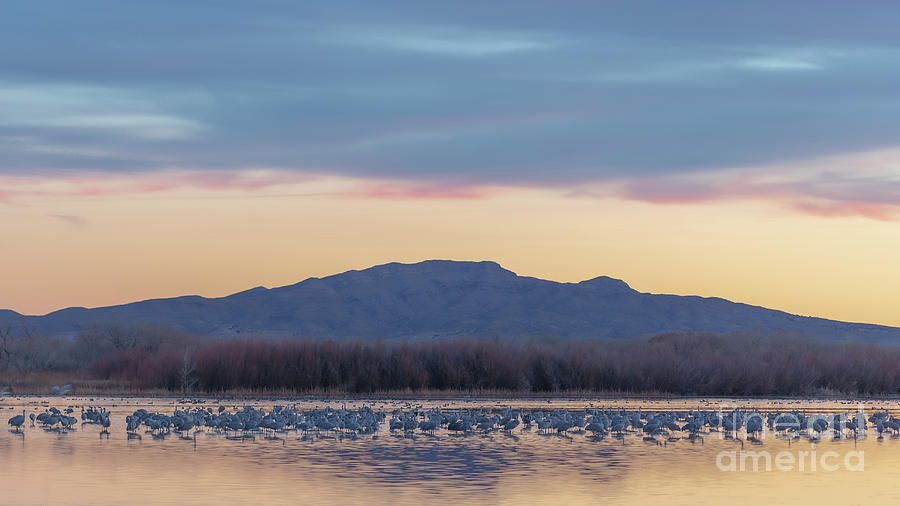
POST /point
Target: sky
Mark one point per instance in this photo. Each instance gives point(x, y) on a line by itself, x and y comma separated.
point(743, 150)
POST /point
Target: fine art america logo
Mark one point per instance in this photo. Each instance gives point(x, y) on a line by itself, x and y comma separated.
point(790, 426)
point(811, 460)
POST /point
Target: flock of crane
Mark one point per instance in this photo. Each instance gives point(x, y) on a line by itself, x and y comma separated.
point(655, 426)
point(53, 419)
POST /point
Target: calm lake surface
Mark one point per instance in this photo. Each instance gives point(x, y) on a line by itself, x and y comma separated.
point(520, 467)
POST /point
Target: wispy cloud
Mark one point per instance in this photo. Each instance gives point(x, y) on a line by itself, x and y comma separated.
point(863, 184)
point(143, 126)
point(404, 190)
point(875, 211)
point(778, 64)
point(69, 219)
point(445, 41)
point(98, 185)
point(734, 61)
point(250, 182)
point(858, 184)
point(79, 108)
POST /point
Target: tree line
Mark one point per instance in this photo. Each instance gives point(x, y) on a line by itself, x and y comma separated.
point(158, 358)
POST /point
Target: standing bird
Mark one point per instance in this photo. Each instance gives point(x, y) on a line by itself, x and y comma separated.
point(510, 425)
point(104, 422)
point(17, 421)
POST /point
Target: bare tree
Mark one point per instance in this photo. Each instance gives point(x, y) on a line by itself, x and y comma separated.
point(5, 346)
point(121, 338)
point(188, 368)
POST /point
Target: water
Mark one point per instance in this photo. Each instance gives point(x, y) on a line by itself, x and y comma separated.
point(81, 467)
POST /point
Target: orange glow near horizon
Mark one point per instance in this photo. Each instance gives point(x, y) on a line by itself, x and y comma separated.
point(115, 244)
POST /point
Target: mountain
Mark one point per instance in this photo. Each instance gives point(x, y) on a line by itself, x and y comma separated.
point(441, 298)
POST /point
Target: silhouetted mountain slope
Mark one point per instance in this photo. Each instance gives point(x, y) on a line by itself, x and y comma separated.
point(438, 298)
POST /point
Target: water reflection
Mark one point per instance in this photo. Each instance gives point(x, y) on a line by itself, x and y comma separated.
point(522, 467)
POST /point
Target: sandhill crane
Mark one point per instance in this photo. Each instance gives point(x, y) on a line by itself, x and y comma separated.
point(17, 421)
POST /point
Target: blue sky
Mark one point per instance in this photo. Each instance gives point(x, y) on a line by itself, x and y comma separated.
point(497, 92)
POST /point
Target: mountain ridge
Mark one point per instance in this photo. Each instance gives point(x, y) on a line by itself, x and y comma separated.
point(446, 298)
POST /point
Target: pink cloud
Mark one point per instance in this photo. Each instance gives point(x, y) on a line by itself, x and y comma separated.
point(403, 191)
point(98, 185)
point(109, 184)
point(827, 192)
point(829, 188)
point(669, 191)
point(875, 211)
point(244, 180)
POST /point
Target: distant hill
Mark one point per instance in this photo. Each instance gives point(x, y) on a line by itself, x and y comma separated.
point(441, 299)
